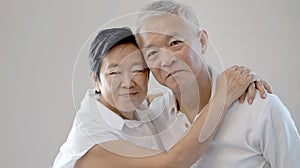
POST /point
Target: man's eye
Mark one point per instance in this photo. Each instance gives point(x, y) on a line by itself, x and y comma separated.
point(175, 42)
point(151, 53)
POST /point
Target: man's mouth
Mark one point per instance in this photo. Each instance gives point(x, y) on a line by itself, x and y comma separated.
point(173, 73)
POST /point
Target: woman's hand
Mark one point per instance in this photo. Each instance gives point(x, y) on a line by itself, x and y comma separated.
point(259, 84)
point(232, 83)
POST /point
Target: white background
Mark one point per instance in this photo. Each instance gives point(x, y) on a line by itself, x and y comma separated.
point(40, 40)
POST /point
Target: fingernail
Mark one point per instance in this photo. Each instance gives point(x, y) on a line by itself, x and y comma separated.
point(264, 95)
point(250, 101)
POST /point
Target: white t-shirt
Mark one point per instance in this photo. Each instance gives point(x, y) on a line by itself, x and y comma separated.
point(254, 136)
point(157, 128)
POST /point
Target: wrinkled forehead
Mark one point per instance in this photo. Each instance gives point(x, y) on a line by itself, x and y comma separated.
point(163, 24)
point(124, 54)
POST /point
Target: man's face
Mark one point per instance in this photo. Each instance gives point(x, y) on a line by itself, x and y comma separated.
point(172, 50)
point(123, 78)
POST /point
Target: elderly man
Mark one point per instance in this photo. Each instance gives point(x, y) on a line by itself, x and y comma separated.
point(259, 135)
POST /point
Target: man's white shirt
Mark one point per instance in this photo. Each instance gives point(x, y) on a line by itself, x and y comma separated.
point(259, 135)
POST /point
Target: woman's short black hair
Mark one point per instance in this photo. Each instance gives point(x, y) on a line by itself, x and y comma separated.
point(105, 41)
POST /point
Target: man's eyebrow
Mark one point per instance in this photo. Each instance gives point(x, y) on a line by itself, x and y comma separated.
point(148, 46)
point(167, 38)
point(172, 35)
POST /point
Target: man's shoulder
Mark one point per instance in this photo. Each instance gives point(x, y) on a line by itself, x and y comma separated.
point(259, 102)
point(166, 99)
point(261, 109)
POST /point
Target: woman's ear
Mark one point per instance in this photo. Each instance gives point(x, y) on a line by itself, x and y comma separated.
point(95, 81)
point(203, 40)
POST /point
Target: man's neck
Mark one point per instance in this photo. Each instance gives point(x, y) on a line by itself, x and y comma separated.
point(192, 99)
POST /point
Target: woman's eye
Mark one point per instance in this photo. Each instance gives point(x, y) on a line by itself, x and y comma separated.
point(114, 73)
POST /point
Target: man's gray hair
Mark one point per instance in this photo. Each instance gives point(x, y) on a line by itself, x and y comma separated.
point(164, 7)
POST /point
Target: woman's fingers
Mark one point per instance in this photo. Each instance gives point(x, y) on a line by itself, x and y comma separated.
point(259, 86)
point(242, 97)
point(257, 83)
point(251, 93)
point(266, 86)
point(237, 80)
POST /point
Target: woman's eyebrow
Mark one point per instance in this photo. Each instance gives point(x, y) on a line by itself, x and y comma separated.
point(113, 65)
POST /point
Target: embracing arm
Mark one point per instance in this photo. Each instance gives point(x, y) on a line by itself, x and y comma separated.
point(188, 150)
point(121, 153)
point(258, 84)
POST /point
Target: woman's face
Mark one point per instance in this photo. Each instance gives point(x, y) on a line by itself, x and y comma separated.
point(123, 78)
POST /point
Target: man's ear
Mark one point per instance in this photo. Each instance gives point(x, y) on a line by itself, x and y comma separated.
point(203, 40)
point(95, 81)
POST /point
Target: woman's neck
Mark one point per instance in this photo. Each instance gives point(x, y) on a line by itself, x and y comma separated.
point(128, 115)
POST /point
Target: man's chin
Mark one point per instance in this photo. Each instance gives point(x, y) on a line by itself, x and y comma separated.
point(180, 86)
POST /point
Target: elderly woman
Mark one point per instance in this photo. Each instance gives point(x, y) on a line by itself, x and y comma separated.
point(117, 127)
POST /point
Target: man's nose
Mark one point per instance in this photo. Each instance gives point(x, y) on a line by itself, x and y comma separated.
point(168, 59)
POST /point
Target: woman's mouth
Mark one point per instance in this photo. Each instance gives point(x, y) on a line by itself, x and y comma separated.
point(128, 95)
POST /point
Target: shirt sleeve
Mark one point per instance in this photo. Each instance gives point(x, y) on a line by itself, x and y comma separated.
point(85, 134)
point(280, 141)
point(91, 132)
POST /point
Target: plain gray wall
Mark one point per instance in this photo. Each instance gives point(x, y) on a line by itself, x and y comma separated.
point(40, 41)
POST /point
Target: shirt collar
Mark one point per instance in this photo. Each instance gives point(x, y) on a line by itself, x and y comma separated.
point(214, 74)
point(99, 112)
point(144, 113)
point(111, 118)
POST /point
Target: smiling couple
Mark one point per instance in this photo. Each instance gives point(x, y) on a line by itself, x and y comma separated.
point(198, 123)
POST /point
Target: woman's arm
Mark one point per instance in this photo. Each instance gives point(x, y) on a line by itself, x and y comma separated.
point(230, 86)
point(121, 153)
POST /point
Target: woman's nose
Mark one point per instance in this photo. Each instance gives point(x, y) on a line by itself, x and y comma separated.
point(127, 81)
